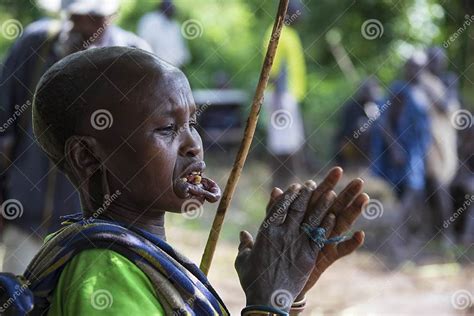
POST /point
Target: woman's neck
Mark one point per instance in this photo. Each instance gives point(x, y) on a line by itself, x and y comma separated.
point(153, 221)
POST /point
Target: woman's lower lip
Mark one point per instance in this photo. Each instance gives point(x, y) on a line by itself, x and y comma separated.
point(183, 189)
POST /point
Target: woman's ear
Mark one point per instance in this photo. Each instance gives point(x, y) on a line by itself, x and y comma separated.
point(81, 154)
point(82, 157)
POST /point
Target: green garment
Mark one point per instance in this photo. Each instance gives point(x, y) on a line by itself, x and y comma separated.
point(290, 50)
point(103, 282)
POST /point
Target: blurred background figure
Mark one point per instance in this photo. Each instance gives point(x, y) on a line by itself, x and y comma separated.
point(442, 160)
point(28, 177)
point(400, 144)
point(285, 131)
point(164, 35)
point(355, 129)
point(462, 190)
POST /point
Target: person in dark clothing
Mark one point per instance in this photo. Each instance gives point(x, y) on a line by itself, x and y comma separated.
point(358, 114)
point(461, 216)
point(35, 194)
point(441, 87)
point(400, 144)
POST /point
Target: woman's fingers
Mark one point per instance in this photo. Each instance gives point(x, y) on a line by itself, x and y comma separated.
point(347, 195)
point(300, 205)
point(274, 195)
point(329, 183)
point(314, 215)
point(277, 208)
point(246, 241)
point(245, 248)
point(331, 179)
point(348, 246)
point(278, 212)
point(328, 224)
point(347, 217)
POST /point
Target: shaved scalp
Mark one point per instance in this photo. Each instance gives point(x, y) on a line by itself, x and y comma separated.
point(73, 88)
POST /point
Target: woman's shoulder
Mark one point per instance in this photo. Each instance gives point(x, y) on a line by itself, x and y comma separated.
point(102, 280)
point(100, 263)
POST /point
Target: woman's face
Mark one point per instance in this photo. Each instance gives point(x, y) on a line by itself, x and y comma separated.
point(153, 150)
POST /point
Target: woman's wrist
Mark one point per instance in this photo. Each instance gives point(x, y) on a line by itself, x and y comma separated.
point(258, 297)
point(260, 310)
point(261, 301)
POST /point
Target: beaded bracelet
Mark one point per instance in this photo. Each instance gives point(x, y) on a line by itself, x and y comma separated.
point(262, 310)
point(299, 306)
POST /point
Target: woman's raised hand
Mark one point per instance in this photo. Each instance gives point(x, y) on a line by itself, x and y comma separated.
point(284, 261)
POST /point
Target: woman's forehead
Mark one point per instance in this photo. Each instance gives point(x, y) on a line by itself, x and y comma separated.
point(172, 98)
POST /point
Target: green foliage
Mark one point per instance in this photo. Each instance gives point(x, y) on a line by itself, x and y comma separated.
point(23, 11)
point(231, 40)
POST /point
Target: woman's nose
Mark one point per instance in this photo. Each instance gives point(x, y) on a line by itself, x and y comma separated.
point(192, 151)
point(190, 146)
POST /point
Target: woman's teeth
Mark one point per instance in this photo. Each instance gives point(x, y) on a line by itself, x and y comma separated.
point(194, 177)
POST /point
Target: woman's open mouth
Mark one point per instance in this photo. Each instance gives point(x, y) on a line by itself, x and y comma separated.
point(192, 184)
point(194, 177)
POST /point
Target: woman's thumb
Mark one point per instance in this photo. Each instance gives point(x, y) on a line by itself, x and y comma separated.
point(246, 241)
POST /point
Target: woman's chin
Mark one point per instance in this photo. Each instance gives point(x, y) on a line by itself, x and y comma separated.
point(180, 205)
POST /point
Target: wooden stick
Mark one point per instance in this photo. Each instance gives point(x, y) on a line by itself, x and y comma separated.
point(246, 141)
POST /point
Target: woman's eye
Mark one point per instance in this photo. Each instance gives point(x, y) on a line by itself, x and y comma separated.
point(165, 129)
point(193, 124)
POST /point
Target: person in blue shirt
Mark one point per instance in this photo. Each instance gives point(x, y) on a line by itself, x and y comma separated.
point(400, 144)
